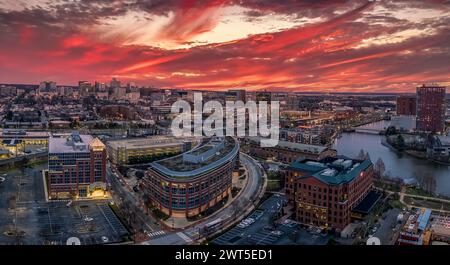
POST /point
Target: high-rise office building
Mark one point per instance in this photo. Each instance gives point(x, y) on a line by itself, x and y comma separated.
point(85, 88)
point(77, 166)
point(406, 105)
point(100, 87)
point(430, 108)
point(115, 83)
point(47, 86)
point(235, 95)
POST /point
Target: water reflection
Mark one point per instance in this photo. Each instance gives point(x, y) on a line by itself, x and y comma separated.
point(397, 164)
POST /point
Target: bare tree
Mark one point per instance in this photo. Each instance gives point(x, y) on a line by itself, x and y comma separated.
point(426, 181)
point(379, 167)
point(361, 154)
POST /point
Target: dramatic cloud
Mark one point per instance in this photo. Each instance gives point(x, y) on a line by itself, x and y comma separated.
point(361, 46)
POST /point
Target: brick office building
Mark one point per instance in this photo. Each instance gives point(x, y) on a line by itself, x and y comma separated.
point(325, 192)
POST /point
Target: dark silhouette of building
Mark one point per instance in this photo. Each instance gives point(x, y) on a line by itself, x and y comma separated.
point(406, 105)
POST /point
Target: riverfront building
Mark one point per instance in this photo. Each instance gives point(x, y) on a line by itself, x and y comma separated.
point(193, 182)
point(430, 109)
point(77, 166)
point(288, 152)
point(406, 105)
point(325, 192)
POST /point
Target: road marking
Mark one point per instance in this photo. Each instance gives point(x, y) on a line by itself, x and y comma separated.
point(184, 237)
point(157, 233)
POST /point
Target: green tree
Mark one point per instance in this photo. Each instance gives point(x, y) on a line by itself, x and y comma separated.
point(400, 141)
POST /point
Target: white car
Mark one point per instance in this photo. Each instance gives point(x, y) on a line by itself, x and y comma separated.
point(277, 233)
point(2, 179)
point(88, 219)
point(105, 239)
point(249, 220)
point(241, 225)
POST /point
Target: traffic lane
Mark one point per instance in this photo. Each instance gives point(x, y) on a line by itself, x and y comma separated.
point(122, 196)
point(385, 232)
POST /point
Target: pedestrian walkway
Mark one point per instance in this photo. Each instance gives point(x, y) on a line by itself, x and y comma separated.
point(156, 234)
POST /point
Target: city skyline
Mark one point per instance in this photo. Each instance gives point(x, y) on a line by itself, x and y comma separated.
point(325, 46)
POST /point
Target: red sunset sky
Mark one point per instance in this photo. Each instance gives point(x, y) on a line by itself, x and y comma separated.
point(284, 45)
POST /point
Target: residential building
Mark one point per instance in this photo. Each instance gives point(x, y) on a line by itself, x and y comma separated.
point(430, 109)
point(406, 105)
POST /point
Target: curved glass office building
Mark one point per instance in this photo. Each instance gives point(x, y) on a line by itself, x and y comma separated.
point(191, 183)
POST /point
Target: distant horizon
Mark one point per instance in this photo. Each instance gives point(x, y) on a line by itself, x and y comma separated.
point(251, 91)
point(299, 46)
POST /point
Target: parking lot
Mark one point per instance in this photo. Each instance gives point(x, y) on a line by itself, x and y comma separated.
point(26, 217)
point(264, 231)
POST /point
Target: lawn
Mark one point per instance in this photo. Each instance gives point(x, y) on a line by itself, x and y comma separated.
point(427, 203)
point(416, 191)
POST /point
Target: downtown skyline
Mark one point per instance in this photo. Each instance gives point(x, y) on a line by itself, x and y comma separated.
point(306, 46)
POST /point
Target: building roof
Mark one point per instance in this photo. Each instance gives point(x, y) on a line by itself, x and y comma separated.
point(69, 143)
point(7, 133)
point(152, 141)
point(198, 160)
point(441, 225)
point(96, 143)
point(305, 148)
point(366, 205)
point(331, 170)
point(4, 152)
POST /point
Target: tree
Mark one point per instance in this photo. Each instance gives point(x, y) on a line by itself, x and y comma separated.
point(361, 154)
point(391, 130)
point(366, 156)
point(426, 181)
point(379, 167)
point(400, 141)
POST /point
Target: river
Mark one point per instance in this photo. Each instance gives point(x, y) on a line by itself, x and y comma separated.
point(397, 164)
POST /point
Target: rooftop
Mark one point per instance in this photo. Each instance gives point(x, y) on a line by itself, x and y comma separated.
point(209, 155)
point(153, 141)
point(441, 225)
point(332, 170)
point(22, 133)
point(305, 148)
point(366, 205)
point(71, 143)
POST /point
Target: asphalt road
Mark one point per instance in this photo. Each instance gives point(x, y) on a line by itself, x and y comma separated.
point(385, 232)
point(129, 203)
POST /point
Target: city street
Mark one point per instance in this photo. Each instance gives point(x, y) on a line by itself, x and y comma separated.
point(128, 202)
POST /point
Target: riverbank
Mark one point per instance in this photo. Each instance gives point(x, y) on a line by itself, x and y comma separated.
point(398, 165)
point(413, 153)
